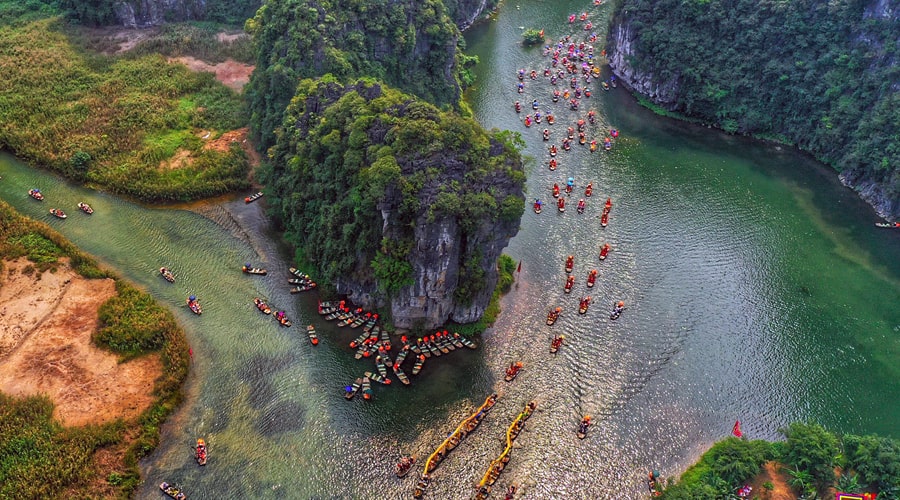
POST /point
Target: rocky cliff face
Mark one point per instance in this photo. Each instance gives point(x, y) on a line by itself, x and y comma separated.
point(622, 52)
point(466, 12)
point(144, 13)
point(412, 205)
point(820, 76)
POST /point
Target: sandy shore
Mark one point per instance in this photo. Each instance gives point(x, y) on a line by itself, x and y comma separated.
point(46, 323)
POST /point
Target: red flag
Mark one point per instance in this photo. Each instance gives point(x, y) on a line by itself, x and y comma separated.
point(519, 270)
point(737, 429)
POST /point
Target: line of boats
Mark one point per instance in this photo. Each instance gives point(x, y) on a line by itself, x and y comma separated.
point(56, 212)
point(498, 464)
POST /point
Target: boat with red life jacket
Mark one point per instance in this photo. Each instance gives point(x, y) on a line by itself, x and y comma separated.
point(518, 107)
point(583, 427)
point(253, 197)
point(888, 224)
point(527, 120)
point(570, 282)
point(58, 213)
point(551, 120)
point(608, 205)
point(570, 133)
point(546, 134)
point(589, 190)
point(351, 390)
point(572, 19)
point(553, 150)
point(262, 306)
point(592, 277)
point(581, 206)
point(555, 190)
point(247, 269)
point(84, 207)
point(556, 343)
point(581, 138)
point(194, 305)
point(604, 219)
point(552, 164)
point(566, 144)
point(614, 133)
point(617, 310)
point(584, 304)
point(172, 491)
point(36, 194)
point(580, 124)
point(607, 144)
point(513, 371)
point(311, 332)
point(553, 315)
point(281, 318)
point(570, 263)
point(593, 145)
point(592, 116)
point(537, 206)
point(404, 466)
point(561, 204)
point(201, 452)
point(604, 250)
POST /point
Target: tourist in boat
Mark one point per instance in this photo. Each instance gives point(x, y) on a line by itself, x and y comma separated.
point(537, 117)
point(556, 96)
point(608, 205)
point(593, 145)
point(556, 190)
point(550, 119)
point(534, 104)
point(553, 150)
point(570, 182)
point(570, 133)
point(607, 144)
point(589, 190)
point(520, 87)
point(566, 144)
point(614, 132)
point(617, 310)
point(538, 204)
point(546, 134)
point(518, 107)
point(533, 74)
point(521, 74)
point(581, 125)
point(527, 120)
point(587, 92)
point(553, 164)
point(581, 206)
point(573, 104)
point(572, 19)
point(604, 250)
point(561, 204)
point(592, 116)
point(592, 277)
point(566, 94)
point(570, 263)
point(581, 138)
point(583, 426)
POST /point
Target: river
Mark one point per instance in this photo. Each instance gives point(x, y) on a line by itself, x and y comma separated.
point(757, 288)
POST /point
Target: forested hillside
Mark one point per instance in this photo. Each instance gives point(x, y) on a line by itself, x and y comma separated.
point(821, 75)
point(395, 201)
point(409, 44)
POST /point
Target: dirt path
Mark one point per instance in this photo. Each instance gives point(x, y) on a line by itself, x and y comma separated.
point(46, 323)
point(778, 479)
point(230, 72)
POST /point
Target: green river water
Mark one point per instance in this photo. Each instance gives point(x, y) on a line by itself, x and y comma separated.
point(757, 288)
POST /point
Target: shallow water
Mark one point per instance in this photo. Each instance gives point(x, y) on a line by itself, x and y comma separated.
point(757, 289)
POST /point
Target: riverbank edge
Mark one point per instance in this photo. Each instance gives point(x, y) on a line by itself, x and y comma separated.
point(867, 190)
point(115, 461)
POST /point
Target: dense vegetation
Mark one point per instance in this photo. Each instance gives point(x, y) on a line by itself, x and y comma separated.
point(809, 456)
point(345, 154)
point(821, 75)
point(115, 122)
point(408, 44)
point(39, 458)
point(102, 12)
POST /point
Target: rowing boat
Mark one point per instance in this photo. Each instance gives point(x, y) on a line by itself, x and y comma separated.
point(254, 270)
point(172, 491)
point(351, 390)
point(311, 331)
point(253, 197)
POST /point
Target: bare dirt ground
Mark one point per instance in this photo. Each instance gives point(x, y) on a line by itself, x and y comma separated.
point(46, 324)
point(231, 73)
point(771, 472)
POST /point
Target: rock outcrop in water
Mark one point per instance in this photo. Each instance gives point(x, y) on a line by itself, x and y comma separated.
point(822, 76)
point(398, 204)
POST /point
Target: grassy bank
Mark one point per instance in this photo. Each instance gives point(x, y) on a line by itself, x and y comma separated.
point(814, 462)
point(135, 126)
point(39, 457)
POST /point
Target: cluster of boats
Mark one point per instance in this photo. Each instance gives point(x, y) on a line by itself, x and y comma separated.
point(374, 340)
point(56, 212)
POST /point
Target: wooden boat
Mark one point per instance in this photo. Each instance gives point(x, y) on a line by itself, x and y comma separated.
point(513, 371)
point(583, 306)
point(561, 204)
point(385, 339)
point(553, 315)
point(497, 465)
point(36, 194)
point(556, 343)
point(604, 85)
point(356, 323)
point(604, 249)
point(58, 213)
point(617, 311)
point(172, 491)
point(604, 219)
point(421, 486)
point(303, 288)
point(455, 339)
point(254, 270)
point(570, 263)
point(589, 190)
point(420, 361)
point(165, 273)
point(194, 305)
point(420, 345)
point(201, 452)
point(377, 378)
point(570, 281)
point(253, 197)
point(297, 282)
point(607, 144)
point(465, 341)
point(359, 340)
point(282, 319)
point(85, 208)
point(888, 224)
point(592, 278)
point(583, 427)
point(400, 374)
point(537, 206)
point(404, 466)
point(351, 390)
point(404, 352)
point(367, 389)
point(311, 332)
point(262, 306)
point(379, 364)
point(580, 207)
point(347, 319)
